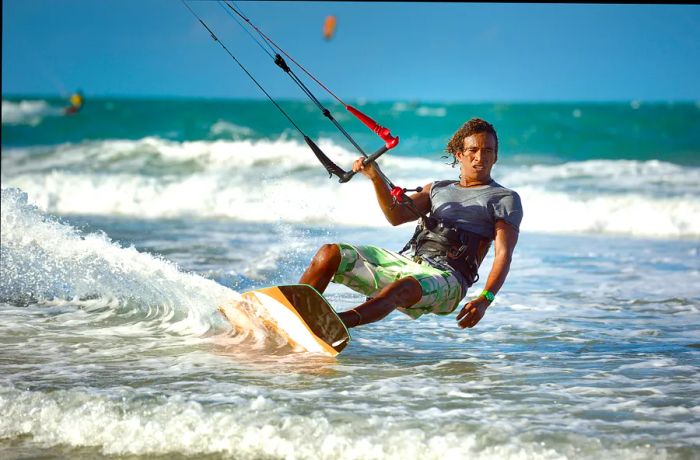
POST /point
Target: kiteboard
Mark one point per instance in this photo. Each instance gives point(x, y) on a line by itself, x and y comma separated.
point(299, 313)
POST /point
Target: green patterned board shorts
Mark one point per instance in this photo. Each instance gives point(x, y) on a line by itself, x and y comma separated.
point(368, 269)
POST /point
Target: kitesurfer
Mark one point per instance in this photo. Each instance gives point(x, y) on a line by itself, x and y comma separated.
point(463, 218)
point(76, 103)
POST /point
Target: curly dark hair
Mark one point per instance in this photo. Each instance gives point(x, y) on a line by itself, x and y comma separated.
point(473, 126)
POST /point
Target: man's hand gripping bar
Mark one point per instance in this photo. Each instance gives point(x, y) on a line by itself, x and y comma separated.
point(345, 176)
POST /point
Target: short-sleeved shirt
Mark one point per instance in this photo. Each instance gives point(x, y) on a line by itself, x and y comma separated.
point(475, 209)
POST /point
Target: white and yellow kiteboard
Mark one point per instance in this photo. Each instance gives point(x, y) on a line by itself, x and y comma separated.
point(300, 314)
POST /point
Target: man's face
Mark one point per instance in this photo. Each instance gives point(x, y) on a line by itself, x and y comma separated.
point(478, 157)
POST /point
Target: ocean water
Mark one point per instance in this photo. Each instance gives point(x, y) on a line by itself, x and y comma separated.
point(124, 226)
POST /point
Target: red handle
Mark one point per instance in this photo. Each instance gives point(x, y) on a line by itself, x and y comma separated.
point(381, 131)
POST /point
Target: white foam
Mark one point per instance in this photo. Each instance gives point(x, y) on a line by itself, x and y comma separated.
point(272, 181)
point(27, 112)
point(630, 214)
point(594, 177)
point(255, 427)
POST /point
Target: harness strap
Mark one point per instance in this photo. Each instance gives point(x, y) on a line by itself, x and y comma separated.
point(458, 248)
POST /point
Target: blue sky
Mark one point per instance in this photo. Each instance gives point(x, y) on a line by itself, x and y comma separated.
point(381, 51)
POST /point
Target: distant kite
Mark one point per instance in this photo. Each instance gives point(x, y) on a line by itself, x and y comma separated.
point(329, 27)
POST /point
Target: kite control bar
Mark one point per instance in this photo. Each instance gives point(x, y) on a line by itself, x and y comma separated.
point(397, 193)
point(349, 175)
point(384, 133)
point(335, 170)
point(379, 130)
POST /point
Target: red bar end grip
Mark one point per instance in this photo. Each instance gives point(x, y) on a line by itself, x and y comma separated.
point(381, 131)
point(398, 193)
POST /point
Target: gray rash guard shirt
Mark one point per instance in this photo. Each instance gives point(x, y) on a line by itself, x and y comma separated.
point(475, 209)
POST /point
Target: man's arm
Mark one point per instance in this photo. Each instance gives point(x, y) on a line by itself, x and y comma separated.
point(396, 215)
point(504, 244)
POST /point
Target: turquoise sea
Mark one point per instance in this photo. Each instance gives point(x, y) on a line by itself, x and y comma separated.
point(126, 225)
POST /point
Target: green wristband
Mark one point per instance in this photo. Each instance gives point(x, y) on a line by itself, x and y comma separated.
point(489, 295)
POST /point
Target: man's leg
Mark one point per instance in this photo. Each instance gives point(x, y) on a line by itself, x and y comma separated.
point(322, 268)
point(401, 293)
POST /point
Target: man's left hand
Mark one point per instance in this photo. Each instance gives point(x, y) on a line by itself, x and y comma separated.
point(472, 312)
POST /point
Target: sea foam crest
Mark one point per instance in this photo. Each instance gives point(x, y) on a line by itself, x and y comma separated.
point(253, 427)
point(27, 112)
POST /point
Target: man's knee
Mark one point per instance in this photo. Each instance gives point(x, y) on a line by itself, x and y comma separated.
point(328, 255)
point(407, 291)
point(412, 289)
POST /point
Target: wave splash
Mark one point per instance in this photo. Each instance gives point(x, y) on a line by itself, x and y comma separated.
point(47, 262)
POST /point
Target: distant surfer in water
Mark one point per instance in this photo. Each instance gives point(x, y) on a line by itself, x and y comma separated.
point(440, 262)
point(76, 103)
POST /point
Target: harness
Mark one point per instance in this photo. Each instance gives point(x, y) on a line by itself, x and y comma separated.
point(439, 242)
point(436, 241)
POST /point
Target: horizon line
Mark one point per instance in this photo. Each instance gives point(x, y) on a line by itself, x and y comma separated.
point(359, 100)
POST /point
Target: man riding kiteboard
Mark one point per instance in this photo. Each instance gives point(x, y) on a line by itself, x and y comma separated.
point(443, 257)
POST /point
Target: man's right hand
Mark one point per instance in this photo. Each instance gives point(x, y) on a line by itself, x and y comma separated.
point(369, 170)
